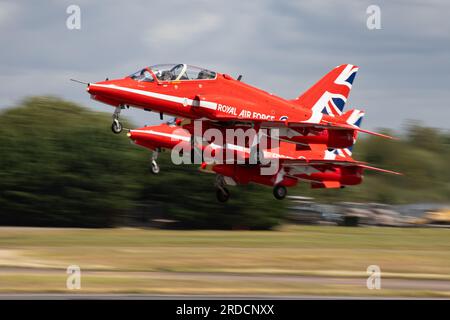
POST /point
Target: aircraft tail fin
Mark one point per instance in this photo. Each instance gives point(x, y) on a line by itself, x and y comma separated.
point(330, 93)
point(354, 118)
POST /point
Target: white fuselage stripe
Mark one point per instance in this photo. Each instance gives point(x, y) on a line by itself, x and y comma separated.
point(174, 137)
point(165, 97)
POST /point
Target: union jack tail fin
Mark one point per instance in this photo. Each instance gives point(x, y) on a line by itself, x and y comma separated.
point(330, 93)
point(354, 118)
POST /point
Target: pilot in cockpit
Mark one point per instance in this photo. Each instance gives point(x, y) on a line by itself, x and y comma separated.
point(205, 74)
point(180, 72)
point(166, 75)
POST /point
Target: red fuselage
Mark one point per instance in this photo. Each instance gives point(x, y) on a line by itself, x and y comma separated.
point(170, 136)
point(221, 98)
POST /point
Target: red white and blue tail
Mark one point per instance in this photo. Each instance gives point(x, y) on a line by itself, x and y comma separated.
point(330, 93)
point(354, 118)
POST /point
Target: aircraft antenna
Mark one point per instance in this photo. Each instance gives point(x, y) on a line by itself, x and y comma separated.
point(75, 80)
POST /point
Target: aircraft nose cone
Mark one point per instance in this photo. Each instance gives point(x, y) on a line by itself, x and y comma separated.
point(100, 88)
point(90, 88)
point(135, 135)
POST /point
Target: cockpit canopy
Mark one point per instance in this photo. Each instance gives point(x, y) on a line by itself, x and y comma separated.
point(173, 72)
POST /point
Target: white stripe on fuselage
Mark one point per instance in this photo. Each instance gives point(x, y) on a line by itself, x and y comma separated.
point(174, 137)
point(316, 116)
point(165, 97)
point(234, 147)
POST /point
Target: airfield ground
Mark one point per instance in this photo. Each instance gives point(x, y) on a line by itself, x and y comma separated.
point(293, 261)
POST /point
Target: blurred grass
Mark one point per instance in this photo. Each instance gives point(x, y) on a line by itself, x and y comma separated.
point(414, 253)
point(132, 284)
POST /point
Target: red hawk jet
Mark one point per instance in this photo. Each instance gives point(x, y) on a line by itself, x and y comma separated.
point(314, 136)
point(196, 93)
point(315, 163)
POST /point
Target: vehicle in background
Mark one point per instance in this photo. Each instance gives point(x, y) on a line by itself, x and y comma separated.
point(438, 217)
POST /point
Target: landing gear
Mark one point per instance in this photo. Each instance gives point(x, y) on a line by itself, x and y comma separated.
point(255, 153)
point(116, 126)
point(196, 152)
point(279, 192)
point(222, 192)
point(256, 156)
point(154, 167)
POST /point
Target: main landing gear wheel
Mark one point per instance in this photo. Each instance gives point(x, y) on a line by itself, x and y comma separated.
point(279, 192)
point(116, 127)
point(222, 194)
point(154, 167)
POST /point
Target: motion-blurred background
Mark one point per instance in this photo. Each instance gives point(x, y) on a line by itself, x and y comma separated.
point(60, 166)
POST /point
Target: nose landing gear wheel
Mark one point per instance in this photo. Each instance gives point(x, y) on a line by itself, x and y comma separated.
point(116, 127)
point(279, 192)
point(154, 167)
point(222, 194)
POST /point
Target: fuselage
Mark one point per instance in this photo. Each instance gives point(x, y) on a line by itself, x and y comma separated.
point(314, 135)
point(218, 98)
point(224, 159)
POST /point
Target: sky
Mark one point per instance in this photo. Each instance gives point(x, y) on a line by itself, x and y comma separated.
point(283, 47)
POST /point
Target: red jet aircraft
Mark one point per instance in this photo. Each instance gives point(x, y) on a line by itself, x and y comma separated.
point(197, 93)
point(315, 163)
point(315, 135)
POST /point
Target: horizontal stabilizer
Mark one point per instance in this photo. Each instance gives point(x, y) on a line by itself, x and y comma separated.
point(338, 126)
point(378, 169)
point(353, 119)
point(295, 124)
point(376, 134)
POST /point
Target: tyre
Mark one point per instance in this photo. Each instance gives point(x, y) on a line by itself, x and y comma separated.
point(116, 127)
point(154, 167)
point(279, 192)
point(222, 194)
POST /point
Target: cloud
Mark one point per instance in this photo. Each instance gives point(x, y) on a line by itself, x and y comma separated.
point(182, 31)
point(8, 11)
point(281, 47)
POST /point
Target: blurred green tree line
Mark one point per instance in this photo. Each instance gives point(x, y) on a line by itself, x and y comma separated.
point(60, 165)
